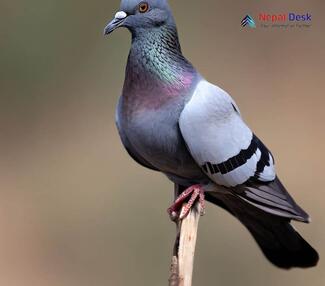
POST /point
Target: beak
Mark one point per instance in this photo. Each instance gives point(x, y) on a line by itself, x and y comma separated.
point(116, 22)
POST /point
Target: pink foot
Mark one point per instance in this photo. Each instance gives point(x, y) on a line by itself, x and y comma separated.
point(194, 192)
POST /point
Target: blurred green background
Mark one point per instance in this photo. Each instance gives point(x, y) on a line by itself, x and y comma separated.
point(76, 210)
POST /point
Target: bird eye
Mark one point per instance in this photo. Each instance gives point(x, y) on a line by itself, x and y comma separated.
point(143, 7)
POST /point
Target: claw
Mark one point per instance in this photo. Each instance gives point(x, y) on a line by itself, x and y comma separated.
point(194, 192)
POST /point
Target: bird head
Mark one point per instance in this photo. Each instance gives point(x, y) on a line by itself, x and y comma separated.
point(141, 16)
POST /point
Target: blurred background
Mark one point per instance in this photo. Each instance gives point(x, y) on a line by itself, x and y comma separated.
point(76, 210)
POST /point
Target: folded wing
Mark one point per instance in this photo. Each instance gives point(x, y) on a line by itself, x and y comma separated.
point(230, 154)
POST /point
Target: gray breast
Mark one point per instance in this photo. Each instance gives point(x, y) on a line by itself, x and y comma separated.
point(154, 136)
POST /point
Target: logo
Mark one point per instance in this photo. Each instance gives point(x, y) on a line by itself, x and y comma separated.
point(284, 17)
point(248, 21)
point(279, 20)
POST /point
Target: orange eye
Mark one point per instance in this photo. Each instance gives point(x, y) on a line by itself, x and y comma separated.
point(143, 7)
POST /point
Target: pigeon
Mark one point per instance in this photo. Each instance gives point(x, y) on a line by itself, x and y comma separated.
point(171, 120)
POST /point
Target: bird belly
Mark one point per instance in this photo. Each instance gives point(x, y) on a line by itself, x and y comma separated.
point(157, 138)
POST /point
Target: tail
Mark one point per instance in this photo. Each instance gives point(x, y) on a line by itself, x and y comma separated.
point(279, 241)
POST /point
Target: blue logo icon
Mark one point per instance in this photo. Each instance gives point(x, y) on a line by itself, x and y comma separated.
point(248, 21)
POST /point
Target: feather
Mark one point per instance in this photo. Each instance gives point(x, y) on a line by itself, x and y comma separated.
point(220, 141)
point(281, 244)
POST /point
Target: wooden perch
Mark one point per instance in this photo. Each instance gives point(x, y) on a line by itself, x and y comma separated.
point(184, 249)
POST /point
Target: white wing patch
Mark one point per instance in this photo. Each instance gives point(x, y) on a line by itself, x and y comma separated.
point(269, 171)
point(220, 141)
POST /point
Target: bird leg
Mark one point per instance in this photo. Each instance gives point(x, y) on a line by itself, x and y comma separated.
point(193, 192)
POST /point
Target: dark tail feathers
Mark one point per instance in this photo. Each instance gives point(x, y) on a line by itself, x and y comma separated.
point(279, 241)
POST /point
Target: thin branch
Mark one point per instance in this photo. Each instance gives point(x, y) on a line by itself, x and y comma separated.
point(184, 248)
point(187, 242)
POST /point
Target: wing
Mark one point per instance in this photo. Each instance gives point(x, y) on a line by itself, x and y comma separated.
point(219, 140)
point(231, 155)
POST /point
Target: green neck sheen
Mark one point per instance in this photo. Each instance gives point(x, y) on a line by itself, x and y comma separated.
point(157, 53)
